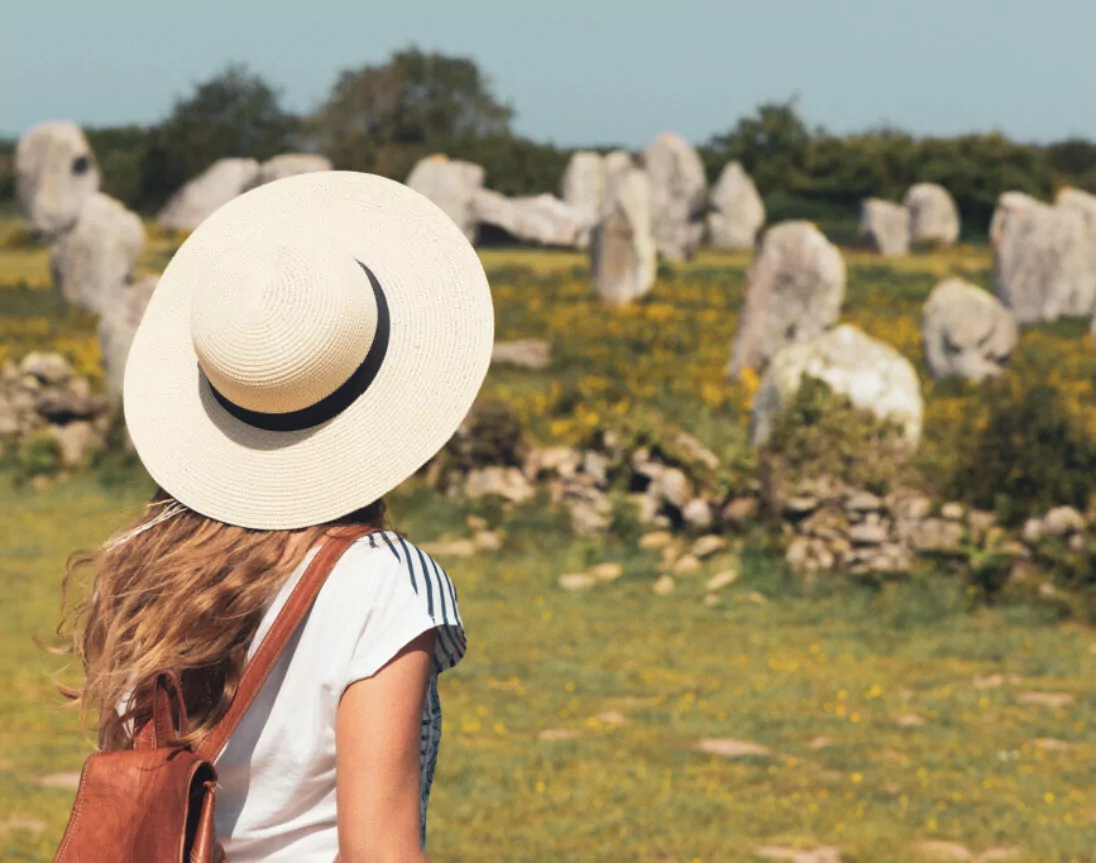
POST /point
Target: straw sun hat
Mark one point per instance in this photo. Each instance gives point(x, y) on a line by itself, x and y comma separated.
point(310, 346)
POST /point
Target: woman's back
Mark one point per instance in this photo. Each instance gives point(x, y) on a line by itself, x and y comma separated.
point(276, 800)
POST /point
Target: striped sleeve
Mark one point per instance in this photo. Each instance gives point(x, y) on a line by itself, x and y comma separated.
point(408, 594)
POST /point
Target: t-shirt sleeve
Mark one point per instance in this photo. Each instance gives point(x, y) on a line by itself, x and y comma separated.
point(409, 594)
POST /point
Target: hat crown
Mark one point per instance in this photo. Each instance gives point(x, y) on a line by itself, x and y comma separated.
point(279, 330)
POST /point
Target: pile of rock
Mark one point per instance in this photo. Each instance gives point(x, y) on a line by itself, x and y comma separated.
point(42, 396)
point(95, 240)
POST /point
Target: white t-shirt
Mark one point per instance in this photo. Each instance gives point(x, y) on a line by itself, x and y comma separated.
point(276, 775)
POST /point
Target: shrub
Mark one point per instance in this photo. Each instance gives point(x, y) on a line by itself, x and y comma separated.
point(821, 433)
point(1023, 452)
point(39, 455)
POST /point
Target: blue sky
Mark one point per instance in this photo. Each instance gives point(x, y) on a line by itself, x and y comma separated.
point(593, 72)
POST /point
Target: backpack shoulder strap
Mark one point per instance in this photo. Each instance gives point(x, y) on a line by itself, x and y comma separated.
point(281, 631)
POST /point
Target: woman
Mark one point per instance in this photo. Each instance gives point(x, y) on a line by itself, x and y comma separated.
point(308, 348)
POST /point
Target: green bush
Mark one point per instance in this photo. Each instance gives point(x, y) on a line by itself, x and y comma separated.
point(1023, 452)
point(821, 433)
point(39, 455)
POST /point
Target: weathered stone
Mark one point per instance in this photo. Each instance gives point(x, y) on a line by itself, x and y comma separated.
point(687, 564)
point(868, 534)
point(209, 191)
point(9, 419)
point(740, 510)
point(697, 513)
point(577, 581)
point(451, 184)
point(1053, 700)
point(885, 226)
point(541, 219)
point(583, 189)
point(55, 174)
point(727, 748)
point(76, 441)
point(47, 368)
point(561, 460)
point(936, 536)
point(664, 585)
point(62, 406)
point(674, 487)
point(720, 580)
point(623, 259)
point(1042, 265)
point(952, 511)
point(679, 196)
point(289, 165)
point(863, 501)
point(824, 854)
point(92, 263)
point(939, 850)
point(533, 354)
point(508, 483)
point(117, 325)
point(1008, 203)
point(966, 331)
point(826, 523)
point(738, 212)
point(609, 571)
point(872, 374)
point(794, 290)
point(1062, 521)
point(696, 450)
point(655, 540)
point(590, 509)
point(934, 218)
point(708, 545)
point(596, 465)
point(1033, 530)
point(801, 504)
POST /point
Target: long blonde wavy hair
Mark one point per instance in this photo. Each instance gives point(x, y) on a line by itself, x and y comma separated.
point(176, 591)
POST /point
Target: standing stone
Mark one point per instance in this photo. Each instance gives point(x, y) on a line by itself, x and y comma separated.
point(885, 226)
point(1007, 204)
point(934, 218)
point(583, 188)
point(617, 165)
point(794, 290)
point(966, 331)
point(116, 328)
point(1084, 204)
point(679, 196)
point(289, 165)
point(1042, 266)
point(623, 258)
point(542, 219)
point(199, 198)
point(872, 374)
point(738, 212)
point(94, 260)
point(55, 174)
point(451, 184)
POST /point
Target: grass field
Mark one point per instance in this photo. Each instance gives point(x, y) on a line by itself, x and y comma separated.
point(876, 718)
point(890, 717)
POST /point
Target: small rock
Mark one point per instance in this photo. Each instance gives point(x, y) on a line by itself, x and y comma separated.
point(596, 465)
point(476, 523)
point(450, 548)
point(943, 852)
point(819, 743)
point(561, 460)
point(506, 482)
point(708, 545)
point(711, 599)
point(535, 354)
point(673, 486)
point(800, 505)
point(981, 521)
point(1033, 531)
point(656, 539)
point(728, 748)
point(739, 510)
point(1051, 744)
point(9, 372)
point(550, 734)
point(697, 451)
point(27, 825)
point(721, 580)
point(994, 681)
point(9, 420)
point(67, 781)
point(687, 564)
point(1063, 521)
point(868, 534)
point(936, 535)
point(1054, 700)
point(647, 508)
point(664, 585)
point(824, 854)
point(863, 501)
point(670, 553)
point(909, 720)
point(607, 571)
point(77, 441)
point(612, 717)
point(917, 507)
point(487, 540)
point(952, 511)
point(697, 513)
point(577, 581)
point(46, 368)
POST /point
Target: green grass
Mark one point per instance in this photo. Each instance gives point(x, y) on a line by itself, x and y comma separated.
point(777, 663)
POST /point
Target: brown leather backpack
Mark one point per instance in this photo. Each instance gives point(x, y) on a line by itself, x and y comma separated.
point(154, 803)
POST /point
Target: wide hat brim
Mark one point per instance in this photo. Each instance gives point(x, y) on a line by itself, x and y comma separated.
point(441, 335)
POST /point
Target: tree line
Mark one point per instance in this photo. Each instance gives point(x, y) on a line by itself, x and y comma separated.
point(383, 117)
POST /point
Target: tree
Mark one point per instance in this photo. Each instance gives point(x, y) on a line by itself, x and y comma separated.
point(378, 118)
point(235, 113)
